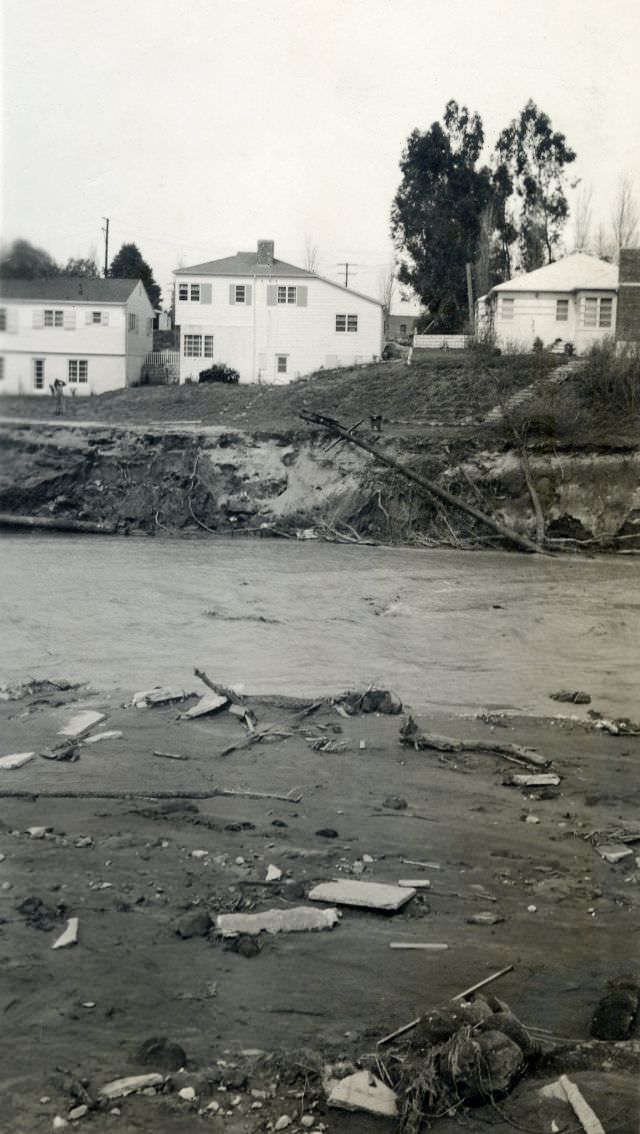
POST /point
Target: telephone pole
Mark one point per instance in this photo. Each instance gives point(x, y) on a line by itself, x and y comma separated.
point(106, 245)
point(346, 265)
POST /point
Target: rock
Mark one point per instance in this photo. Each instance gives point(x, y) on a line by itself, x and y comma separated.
point(296, 920)
point(78, 1112)
point(363, 1091)
point(614, 853)
point(327, 833)
point(293, 891)
point(120, 1088)
point(246, 945)
point(484, 917)
point(161, 1052)
point(283, 1122)
point(59, 1123)
point(187, 1093)
point(70, 935)
point(575, 698)
point(38, 832)
point(80, 723)
point(274, 874)
point(199, 853)
point(194, 923)
point(367, 895)
point(15, 760)
point(395, 803)
point(616, 1013)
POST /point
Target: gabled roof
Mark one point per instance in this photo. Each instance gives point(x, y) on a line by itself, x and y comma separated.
point(71, 289)
point(246, 264)
point(577, 272)
point(243, 264)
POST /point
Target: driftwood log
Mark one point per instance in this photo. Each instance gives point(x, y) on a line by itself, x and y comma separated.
point(429, 486)
point(410, 737)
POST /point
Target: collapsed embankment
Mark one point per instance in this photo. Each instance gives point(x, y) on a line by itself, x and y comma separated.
point(185, 480)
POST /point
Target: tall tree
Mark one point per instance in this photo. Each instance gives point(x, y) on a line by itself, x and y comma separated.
point(530, 162)
point(311, 255)
point(23, 260)
point(386, 287)
point(625, 216)
point(435, 218)
point(582, 219)
point(129, 265)
point(81, 267)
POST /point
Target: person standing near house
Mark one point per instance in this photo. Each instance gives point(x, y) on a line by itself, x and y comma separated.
point(57, 388)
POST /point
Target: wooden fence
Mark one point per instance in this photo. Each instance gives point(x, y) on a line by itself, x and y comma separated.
point(441, 342)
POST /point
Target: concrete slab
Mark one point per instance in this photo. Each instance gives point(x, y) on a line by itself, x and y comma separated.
point(296, 920)
point(363, 1091)
point(15, 760)
point(210, 703)
point(80, 723)
point(366, 895)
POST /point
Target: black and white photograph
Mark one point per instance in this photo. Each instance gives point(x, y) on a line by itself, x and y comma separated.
point(320, 546)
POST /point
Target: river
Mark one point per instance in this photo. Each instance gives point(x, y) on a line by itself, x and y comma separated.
point(443, 628)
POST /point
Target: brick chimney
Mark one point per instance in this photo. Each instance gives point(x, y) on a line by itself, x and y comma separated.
point(265, 253)
point(628, 317)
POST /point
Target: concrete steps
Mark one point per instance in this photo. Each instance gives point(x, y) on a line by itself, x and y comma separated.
point(557, 376)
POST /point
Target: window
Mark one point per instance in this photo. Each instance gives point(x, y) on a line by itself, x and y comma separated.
point(287, 295)
point(183, 292)
point(192, 346)
point(53, 318)
point(78, 370)
point(241, 293)
point(347, 323)
point(96, 316)
point(598, 311)
point(403, 328)
point(208, 346)
point(133, 321)
point(507, 309)
point(3, 318)
point(38, 373)
point(194, 293)
point(149, 326)
point(1, 367)
point(562, 310)
point(281, 363)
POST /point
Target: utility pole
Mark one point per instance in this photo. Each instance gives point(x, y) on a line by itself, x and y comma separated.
point(346, 267)
point(470, 298)
point(106, 245)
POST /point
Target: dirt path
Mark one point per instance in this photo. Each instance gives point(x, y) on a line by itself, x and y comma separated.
point(127, 869)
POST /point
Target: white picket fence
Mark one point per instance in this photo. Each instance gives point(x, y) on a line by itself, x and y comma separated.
point(441, 342)
point(163, 358)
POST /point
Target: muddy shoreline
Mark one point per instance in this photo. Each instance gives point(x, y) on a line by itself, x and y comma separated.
point(126, 868)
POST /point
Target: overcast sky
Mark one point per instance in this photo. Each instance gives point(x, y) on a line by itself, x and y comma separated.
point(198, 128)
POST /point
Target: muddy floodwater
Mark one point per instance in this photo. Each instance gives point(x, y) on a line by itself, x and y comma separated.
point(444, 628)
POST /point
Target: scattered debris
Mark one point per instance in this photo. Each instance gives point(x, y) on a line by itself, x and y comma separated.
point(427, 945)
point(170, 755)
point(395, 803)
point(371, 701)
point(120, 1088)
point(274, 873)
point(617, 1012)
point(210, 703)
point(362, 1091)
point(35, 687)
point(38, 832)
point(15, 760)
point(415, 883)
point(267, 733)
point(81, 723)
point(112, 734)
point(485, 917)
point(64, 750)
point(231, 695)
point(367, 895)
point(70, 935)
point(575, 698)
point(297, 920)
point(327, 833)
point(566, 1091)
point(326, 744)
point(159, 696)
point(410, 737)
point(195, 923)
point(619, 726)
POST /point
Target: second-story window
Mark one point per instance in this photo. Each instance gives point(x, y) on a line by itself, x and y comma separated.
point(194, 292)
point(133, 321)
point(53, 318)
point(287, 294)
point(3, 318)
point(183, 292)
point(241, 293)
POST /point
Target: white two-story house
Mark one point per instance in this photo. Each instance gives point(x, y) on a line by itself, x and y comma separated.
point(571, 301)
point(270, 321)
point(93, 334)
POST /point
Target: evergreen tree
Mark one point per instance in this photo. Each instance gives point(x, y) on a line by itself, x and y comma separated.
point(129, 265)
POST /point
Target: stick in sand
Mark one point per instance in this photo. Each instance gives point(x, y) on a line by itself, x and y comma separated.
point(461, 996)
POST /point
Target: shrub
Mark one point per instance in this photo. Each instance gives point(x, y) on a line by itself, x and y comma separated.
point(610, 379)
point(219, 373)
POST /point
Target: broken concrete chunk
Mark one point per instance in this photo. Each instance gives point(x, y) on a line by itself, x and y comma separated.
point(577, 697)
point(15, 760)
point(80, 723)
point(297, 920)
point(274, 873)
point(120, 1088)
point(613, 852)
point(113, 734)
point(210, 703)
point(363, 1091)
point(158, 696)
point(485, 917)
point(543, 779)
point(414, 883)
point(38, 832)
point(367, 895)
point(70, 935)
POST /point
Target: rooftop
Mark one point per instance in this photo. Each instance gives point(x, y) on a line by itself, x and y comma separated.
point(576, 272)
point(74, 289)
point(243, 264)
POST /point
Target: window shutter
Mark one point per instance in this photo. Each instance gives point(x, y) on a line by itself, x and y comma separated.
point(247, 295)
point(12, 320)
point(205, 293)
point(232, 293)
point(88, 317)
point(69, 320)
point(302, 296)
point(272, 295)
point(38, 319)
point(105, 318)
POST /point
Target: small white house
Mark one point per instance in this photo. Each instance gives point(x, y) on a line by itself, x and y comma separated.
point(93, 334)
point(270, 321)
point(571, 301)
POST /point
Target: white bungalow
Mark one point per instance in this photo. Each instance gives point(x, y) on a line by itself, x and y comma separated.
point(271, 321)
point(93, 334)
point(572, 301)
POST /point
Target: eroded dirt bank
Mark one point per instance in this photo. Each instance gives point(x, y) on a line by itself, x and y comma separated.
point(123, 840)
point(184, 480)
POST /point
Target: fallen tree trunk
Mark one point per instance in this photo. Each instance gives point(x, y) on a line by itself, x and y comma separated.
point(429, 486)
point(410, 737)
point(51, 523)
